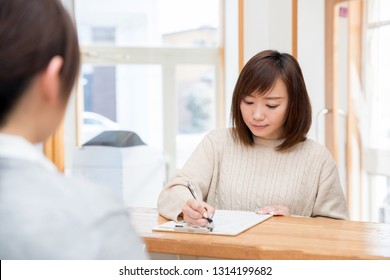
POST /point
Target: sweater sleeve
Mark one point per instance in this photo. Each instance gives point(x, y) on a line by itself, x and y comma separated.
point(198, 169)
point(330, 201)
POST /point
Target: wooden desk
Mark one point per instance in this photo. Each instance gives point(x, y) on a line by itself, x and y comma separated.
point(276, 238)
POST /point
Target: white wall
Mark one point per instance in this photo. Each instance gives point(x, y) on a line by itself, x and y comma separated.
point(267, 25)
point(311, 56)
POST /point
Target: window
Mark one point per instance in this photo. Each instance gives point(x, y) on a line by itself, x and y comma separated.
point(377, 89)
point(103, 35)
point(152, 67)
point(195, 87)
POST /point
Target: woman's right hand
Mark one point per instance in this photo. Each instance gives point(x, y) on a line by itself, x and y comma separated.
point(195, 214)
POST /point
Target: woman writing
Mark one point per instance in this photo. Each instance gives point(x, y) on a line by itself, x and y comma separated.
point(263, 163)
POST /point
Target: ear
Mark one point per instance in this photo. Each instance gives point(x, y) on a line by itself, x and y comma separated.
point(50, 80)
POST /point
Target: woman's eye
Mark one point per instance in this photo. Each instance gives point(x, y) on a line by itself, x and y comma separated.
point(247, 102)
point(272, 106)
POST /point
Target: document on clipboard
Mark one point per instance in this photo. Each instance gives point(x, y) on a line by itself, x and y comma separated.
point(226, 222)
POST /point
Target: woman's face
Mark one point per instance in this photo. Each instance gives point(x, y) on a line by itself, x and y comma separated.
point(265, 114)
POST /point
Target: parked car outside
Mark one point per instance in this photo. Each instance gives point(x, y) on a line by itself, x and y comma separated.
point(94, 124)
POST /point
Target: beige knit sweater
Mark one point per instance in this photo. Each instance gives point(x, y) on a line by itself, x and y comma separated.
point(231, 176)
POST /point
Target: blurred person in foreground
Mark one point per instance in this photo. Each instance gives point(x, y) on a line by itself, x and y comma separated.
point(44, 214)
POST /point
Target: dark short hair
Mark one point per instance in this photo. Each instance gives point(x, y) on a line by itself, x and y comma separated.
point(260, 75)
point(32, 32)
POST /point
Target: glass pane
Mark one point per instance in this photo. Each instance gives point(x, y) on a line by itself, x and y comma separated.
point(378, 10)
point(372, 11)
point(121, 97)
point(379, 186)
point(378, 87)
point(148, 23)
point(195, 85)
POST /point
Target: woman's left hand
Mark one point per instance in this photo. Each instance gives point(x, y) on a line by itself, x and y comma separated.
point(276, 210)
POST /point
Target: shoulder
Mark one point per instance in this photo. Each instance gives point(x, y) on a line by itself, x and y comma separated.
point(45, 207)
point(220, 136)
point(43, 189)
point(313, 146)
point(316, 151)
point(218, 140)
point(92, 199)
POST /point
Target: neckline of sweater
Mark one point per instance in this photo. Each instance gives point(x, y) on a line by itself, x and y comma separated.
point(266, 142)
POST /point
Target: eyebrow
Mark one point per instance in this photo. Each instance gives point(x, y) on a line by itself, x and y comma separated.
point(268, 97)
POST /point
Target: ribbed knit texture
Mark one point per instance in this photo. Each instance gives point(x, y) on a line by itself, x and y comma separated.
point(231, 176)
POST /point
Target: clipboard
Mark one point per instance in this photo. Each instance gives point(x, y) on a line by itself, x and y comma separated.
point(226, 222)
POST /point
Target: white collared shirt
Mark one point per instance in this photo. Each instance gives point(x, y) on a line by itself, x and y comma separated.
point(17, 147)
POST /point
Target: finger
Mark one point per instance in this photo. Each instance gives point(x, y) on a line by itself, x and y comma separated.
point(210, 210)
point(264, 211)
point(193, 209)
point(282, 210)
point(197, 206)
point(277, 210)
point(202, 222)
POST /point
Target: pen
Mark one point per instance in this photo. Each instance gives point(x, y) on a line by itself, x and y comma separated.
point(197, 197)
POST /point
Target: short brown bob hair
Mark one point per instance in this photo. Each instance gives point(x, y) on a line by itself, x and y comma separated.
point(260, 75)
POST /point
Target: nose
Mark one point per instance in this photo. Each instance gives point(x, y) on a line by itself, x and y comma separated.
point(258, 113)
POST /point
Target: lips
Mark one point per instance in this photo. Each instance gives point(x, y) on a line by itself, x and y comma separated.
point(259, 126)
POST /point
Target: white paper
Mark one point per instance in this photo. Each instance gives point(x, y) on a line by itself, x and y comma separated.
point(226, 222)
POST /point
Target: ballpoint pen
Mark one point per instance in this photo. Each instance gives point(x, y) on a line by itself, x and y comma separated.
point(210, 226)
